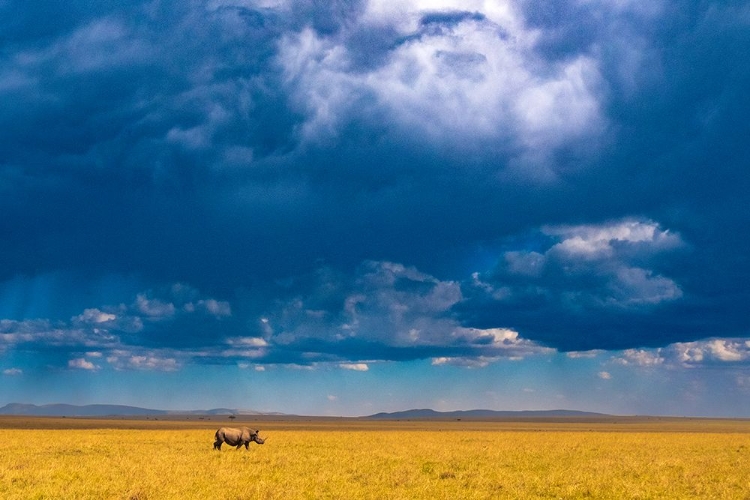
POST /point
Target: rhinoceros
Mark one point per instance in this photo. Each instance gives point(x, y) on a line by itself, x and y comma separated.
point(236, 437)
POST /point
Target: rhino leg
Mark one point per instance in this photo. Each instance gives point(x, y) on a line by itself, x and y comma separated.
point(217, 445)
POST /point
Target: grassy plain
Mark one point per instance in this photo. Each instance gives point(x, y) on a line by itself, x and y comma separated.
point(45, 458)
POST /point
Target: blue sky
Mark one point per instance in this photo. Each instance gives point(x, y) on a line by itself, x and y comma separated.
point(341, 208)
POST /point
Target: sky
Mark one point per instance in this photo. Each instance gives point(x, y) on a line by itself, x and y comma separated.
point(348, 207)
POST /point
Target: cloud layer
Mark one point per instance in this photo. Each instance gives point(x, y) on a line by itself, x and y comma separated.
point(293, 183)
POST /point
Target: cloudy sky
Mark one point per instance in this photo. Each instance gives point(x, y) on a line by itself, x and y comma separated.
point(344, 207)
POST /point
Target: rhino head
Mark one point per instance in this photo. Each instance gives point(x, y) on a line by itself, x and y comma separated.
point(254, 436)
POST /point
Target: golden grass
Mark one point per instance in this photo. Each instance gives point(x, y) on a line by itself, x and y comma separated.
point(346, 459)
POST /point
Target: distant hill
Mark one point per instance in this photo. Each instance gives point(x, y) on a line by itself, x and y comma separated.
point(427, 413)
point(225, 411)
point(65, 410)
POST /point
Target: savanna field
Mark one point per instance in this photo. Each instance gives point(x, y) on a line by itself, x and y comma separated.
point(44, 458)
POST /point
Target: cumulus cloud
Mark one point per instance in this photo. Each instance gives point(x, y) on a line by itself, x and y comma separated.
point(82, 364)
point(605, 253)
point(641, 357)
point(154, 308)
point(713, 351)
point(357, 367)
point(602, 240)
point(247, 341)
point(385, 311)
point(215, 307)
point(139, 359)
point(95, 316)
point(607, 270)
point(447, 74)
point(44, 333)
point(246, 348)
point(584, 354)
point(119, 335)
point(503, 342)
point(467, 362)
point(151, 363)
point(410, 302)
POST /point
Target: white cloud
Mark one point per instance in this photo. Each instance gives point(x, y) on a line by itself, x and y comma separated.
point(599, 240)
point(725, 350)
point(383, 302)
point(12, 371)
point(359, 367)
point(103, 44)
point(83, 364)
point(476, 79)
point(501, 342)
point(247, 342)
point(604, 375)
point(95, 316)
point(465, 361)
point(43, 331)
point(152, 363)
point(98, 46)
point(603, 264)
point(154, 308)
point(525, 263)
point(183, 301)
point(711, 351)
point(215, 307)
point(239, 347)
point(490, 345)
point(584, 354)
point(634, 286)
point(688, 354)
point(96, 331)
point(151, 360)
point(201, 136)
point(392, 305)
point(640, 357)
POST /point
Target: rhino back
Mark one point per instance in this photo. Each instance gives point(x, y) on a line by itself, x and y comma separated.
point(230, 435)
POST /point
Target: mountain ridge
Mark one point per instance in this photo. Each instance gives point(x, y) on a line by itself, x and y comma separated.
point(105, 410)
point(427, 413)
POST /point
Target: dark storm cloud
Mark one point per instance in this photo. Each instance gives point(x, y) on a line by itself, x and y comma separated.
point(111, 127)
point(590, 286)
point(351, 183)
